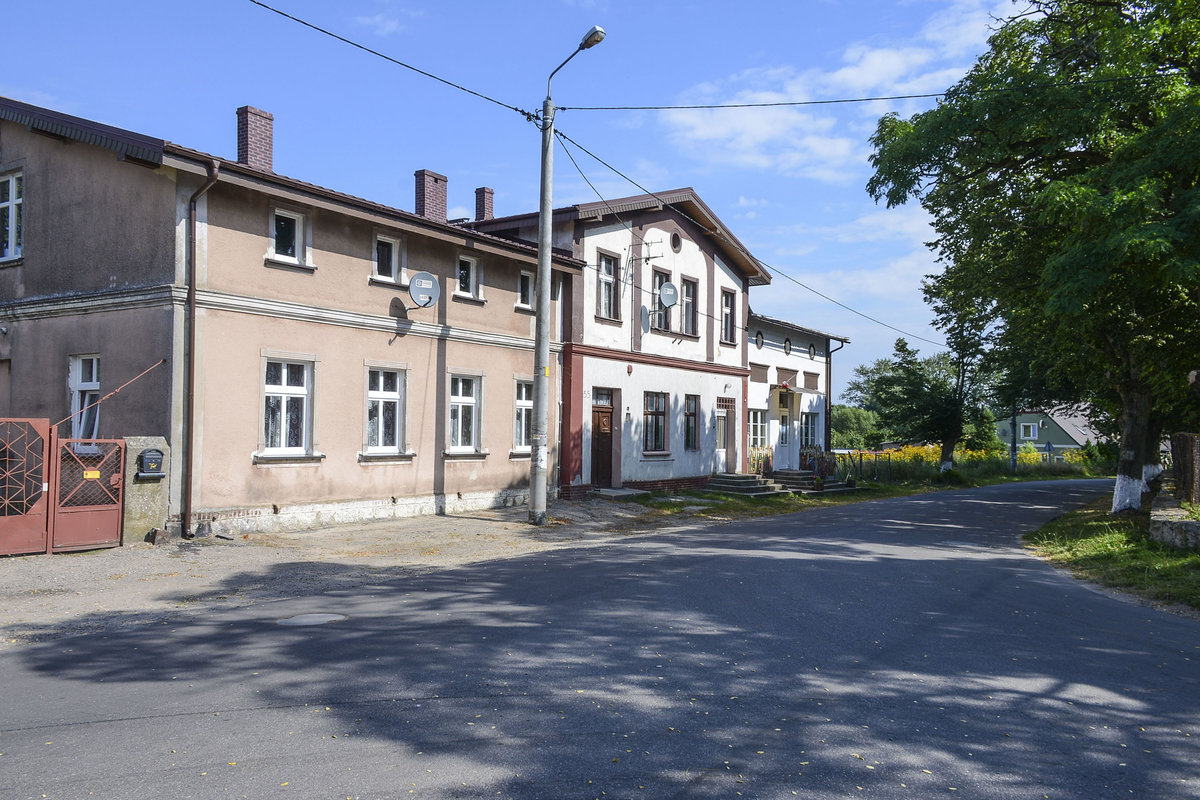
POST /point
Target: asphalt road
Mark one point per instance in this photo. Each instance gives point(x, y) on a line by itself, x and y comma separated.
point(898, 648)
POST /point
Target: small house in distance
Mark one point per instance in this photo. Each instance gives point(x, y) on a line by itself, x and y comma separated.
point(1051, 433)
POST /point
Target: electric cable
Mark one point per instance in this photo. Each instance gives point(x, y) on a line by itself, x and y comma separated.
point(883, 98)
point(732, 242)
point(527, 114)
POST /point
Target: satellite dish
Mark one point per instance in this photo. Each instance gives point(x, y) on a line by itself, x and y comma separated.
point(668, 294)
point(424, 290)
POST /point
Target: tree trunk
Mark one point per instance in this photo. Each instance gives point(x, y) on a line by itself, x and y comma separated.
point(1152, 466)
point(948, 454)
point(1136, 428)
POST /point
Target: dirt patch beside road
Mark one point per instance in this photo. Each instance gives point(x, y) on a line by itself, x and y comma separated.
point(45, 597)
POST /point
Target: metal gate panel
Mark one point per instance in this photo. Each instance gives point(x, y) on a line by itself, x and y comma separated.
point(89, 497)
point(24, 480)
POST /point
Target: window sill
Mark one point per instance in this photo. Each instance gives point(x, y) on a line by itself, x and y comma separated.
point(614, 321)
point(520, 455)
point(728, 343)
point(386, 458)
point(675, 334)
point(465, 455)
point(523, 309)
point(12, 262)
point(379, 280)
point(272, 459)
point(278, 263)
point(656, 455)
point(469, 298)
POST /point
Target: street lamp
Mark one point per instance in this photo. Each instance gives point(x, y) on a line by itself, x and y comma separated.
point(541, 348)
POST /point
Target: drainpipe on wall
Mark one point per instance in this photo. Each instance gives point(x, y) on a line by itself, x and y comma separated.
point(829, 394)
point(189, 400)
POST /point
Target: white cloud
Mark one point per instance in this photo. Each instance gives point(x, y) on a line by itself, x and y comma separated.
point(869, 69)
point(787, 140)
point(379, 24)
point(393, 18)
point(908, 224)
point(963, 28)
point(827, 143)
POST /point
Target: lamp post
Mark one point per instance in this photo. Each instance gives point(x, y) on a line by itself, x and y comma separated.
point(541, 348)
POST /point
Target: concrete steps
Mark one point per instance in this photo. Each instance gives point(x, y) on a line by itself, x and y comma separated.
point(748, 485)
point(803, 481)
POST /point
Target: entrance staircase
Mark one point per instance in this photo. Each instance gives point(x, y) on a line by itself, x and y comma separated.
point(748, 485)
point(803, 481)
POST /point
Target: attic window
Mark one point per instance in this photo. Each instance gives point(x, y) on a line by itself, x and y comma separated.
point(676, 242)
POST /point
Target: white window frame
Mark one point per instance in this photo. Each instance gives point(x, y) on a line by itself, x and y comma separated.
point(475, 290)
point(785, 425)
point(728, 317)
point(457, 404)
point(303, 240)
point(12, 234)
point(530, 280)
point(379, 398)
point(688, 307)
point(809, 433)
point(608, 286)
point(285, 392)
point(1029, 426)
point(83, 382)
point(660, 315)
point(757, 427)
point(399, 263)
point(523, 416)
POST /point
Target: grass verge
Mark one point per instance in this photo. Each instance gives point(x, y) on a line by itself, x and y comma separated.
point(1117, 552)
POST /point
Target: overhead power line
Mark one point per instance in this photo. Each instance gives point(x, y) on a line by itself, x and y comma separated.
point(732, 243)
point(884, 98)
point(527, 114)
point(533, 116)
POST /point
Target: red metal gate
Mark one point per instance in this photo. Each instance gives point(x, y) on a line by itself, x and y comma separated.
point(24, 485)
point(58, 494)
point(89, 480)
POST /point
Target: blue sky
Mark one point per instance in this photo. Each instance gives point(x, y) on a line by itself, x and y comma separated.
point(788, 181)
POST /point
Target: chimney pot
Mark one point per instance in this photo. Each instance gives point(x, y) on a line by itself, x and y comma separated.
point(255, 138)
point(483, 204)
point(431, 195)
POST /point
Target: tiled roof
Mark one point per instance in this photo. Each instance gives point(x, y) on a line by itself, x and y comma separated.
point(793, 326)
point(127, 144)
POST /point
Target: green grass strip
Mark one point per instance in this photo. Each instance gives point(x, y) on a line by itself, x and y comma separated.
point(1116, 552)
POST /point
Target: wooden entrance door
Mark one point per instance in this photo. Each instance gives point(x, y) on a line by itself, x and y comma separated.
point(602, 447)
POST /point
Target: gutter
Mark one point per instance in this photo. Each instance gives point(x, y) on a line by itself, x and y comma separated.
point(189, 408)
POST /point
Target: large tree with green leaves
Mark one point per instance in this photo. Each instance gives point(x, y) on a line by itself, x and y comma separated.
point(1062, 177)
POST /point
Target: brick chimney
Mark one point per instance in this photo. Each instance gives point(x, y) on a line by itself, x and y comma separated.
point(431, 195)
point(256, 138)
point(483, 204)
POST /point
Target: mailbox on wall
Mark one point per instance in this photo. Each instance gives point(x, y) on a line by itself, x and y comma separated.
point(150, 465)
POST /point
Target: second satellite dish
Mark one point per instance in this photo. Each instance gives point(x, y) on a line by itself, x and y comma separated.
point(668, 294)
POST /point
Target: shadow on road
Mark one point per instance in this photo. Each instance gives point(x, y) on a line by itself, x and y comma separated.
point(898, 646)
